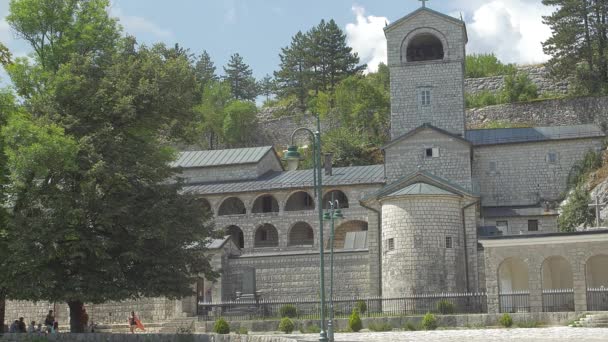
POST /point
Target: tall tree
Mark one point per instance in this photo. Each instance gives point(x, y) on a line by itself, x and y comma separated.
point(239, 118)
point(216, 96)
point(205, 70)
point(267, 86)
point(578, 46)
point(239, 76)
point(293, 77)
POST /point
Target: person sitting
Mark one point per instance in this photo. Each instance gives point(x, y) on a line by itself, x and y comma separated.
point(22, 326)
point(55, 327)
point(32, 328)
point(14, 328)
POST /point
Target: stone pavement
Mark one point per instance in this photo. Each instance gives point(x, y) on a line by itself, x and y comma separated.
point(552, 334)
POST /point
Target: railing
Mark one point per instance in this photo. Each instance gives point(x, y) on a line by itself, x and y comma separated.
point(515, 301)
point(441, 303)
point(597, 299)
point(558, 300)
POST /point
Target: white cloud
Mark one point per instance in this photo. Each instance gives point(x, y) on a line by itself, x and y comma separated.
point(135, 24)
point(5, 32)
point(366, 37)
point(512, 29)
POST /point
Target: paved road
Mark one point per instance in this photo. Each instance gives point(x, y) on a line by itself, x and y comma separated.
point(553, 334)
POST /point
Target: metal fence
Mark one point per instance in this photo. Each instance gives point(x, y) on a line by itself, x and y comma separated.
point(442, 303)
point(515, 301)
point(597, 299)
point(558, 300)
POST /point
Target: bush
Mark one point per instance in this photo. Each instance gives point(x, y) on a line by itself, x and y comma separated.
point(576, 211)
point(361, 306)
point(482, 99)
point(380, 326)
point(506, 320)
point(221, 326)
point(410, 326)
point(486, 65)
point(429, 322)
point(519, 88)
point(310, 329)
point(242, 331)
point(445, 307)
point(528, 324)
point(288, 311)
point(286, 325)
point(354, 321)
point(580, 170)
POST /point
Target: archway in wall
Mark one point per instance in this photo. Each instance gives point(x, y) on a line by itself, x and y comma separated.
point(232, 206)
point(337, 195)
point(300, 200)
point(596, 276)
point(343, 240)
point(204, 205)
point(301, 234)
point(424, 47)
point(513, 285)
point(558, 285)
point(266, 236)
point(237, 235)
point(265, 204)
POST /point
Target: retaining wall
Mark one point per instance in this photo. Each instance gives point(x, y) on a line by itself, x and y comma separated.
point(539, 75)
point(146, 338)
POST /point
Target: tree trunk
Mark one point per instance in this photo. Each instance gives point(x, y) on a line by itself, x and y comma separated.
point(2, 309)
point(76, 307)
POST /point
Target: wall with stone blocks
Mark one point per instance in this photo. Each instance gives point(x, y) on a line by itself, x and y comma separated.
point(148, 309)
point(283, 276)
point(538, 74)
point(148, 338)
point(519, 225)
point(523, 176)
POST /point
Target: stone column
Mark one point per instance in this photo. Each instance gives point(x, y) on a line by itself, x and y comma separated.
point(580, 284)
point(535, 283)
point(491, 282)
point(373, 246)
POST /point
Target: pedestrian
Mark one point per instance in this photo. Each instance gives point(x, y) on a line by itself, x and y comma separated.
point(49, 320)
point(84, 319)
point(14, 328)
point(133, 322)
point(22, 326)
point(32, 328)
point(55, 327)
point(39, 329)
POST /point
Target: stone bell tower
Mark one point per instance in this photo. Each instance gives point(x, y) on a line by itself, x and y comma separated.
point(426, 52)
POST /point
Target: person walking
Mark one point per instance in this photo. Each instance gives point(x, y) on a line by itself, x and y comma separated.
point(84, 319)
point(21, 325)
point(49, 321)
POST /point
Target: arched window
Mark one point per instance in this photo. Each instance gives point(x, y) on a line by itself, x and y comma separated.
point(337, 195)
point(342, 238)
point(266, 236)
point(557, 273)
point(597, 271)
point(513, 286)
point(300, 200)
point(237, 235)
point(265, 204)
point(231, 206)
point(424, 47)
point(301, 234)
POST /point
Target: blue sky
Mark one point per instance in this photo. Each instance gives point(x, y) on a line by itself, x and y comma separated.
point(257, 29)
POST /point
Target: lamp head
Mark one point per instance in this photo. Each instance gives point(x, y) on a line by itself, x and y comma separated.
point(292, 157)
point(338, 214)
point(326, 216)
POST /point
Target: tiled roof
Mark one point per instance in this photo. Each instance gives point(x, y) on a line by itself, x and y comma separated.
point(531, 134)
point(373, 174)
point(191, 159)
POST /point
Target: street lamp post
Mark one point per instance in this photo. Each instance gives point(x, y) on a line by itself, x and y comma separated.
point(293, 157)
point(333, 213)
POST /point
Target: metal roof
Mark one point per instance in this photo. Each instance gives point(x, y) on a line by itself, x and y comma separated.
point(373, 174)
point(531, 134)
point(515, 211)
point(191, 159)
point(420, 189)
point(217, 243)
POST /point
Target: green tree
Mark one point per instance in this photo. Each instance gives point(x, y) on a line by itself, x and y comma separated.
point(239, 75)
point(486, 65)
point(578, 46)
point(267, 87)
point(294, 75)
point(519, 88)
point(205, 70)
point(351, 148)
point(239, 118)
point(211, 112)
point(576, 211)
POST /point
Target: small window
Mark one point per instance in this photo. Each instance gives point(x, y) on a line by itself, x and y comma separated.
point(432, 152)
point(391, 244)
point(448, 242)
point(425, 97)
point(503, 226)
point(532, 225)
point(492, 166)
point(552, 157)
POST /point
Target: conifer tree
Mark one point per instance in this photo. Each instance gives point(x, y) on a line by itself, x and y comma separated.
point(205, 70)
point(267, 86)
point(294, 75)
point(240, 78)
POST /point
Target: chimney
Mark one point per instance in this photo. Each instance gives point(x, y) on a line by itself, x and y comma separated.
point(328, 158)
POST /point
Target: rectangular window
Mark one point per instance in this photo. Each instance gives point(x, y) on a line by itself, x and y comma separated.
point(492, 166)
point(432, 152)
point(391, 244)
point(532, 225)
point(503, 226)
point(552, 157)
point(448, 242)
point(425, 97)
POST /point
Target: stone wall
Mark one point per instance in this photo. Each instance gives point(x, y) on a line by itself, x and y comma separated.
point(519, 224)
point(521, 174)
point(538, 74)
point(573, 111)
point(147, 337)
point(296, 275)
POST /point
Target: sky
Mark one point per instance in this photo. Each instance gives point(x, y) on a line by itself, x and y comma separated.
point(258, 29)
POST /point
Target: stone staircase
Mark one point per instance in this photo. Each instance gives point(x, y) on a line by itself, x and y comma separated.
point(594, 320)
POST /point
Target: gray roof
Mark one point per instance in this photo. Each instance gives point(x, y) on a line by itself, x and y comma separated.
point(420, 189)
point(192, 159)
point(531, 134)
point(373, 174)
point(217, 243)
point(515, 211)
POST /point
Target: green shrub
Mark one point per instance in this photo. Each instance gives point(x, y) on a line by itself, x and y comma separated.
point(519, 88)
point(380, 326)
point(429, 322)
point(286, 325)
point(242, 331)
point(410, 326)
point(288, 311)
point(221, 326)
point(361, 306)
point(576, 211)
point(354, 321)
point(482, 99)
point(580, 170)
point(312, 329)
point(506, 320)
point(445, 307)
point(528, 324)
point(486, 65)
